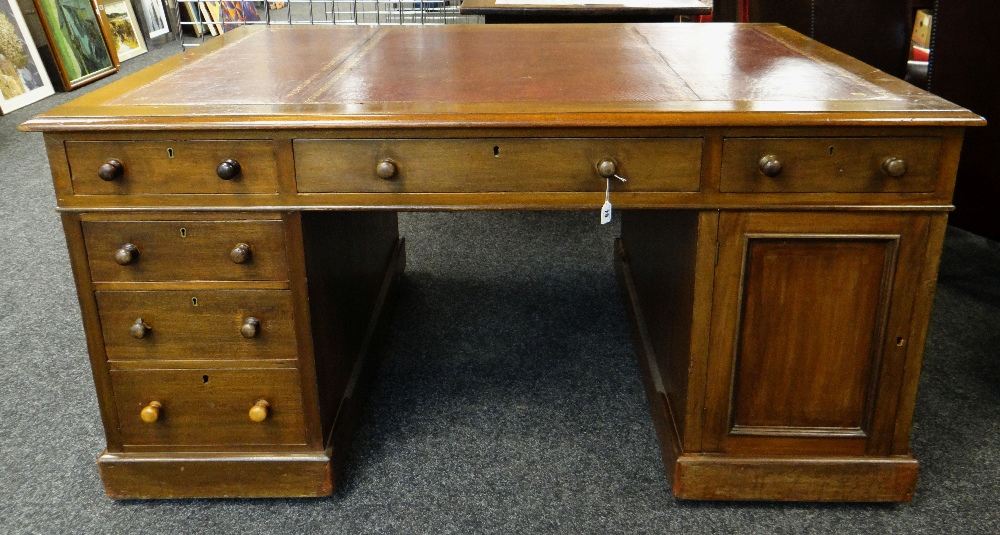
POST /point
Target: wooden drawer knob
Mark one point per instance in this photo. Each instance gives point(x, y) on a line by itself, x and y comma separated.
point(139, 329)
point(259, 411)
point(770, 166)
point(241, 253)
point(127, 254)
point(894, 167)
point(150, 413)
point(386, 169)
point(111, 170)
point(229, 169)
point(250, 327)
point(607, 168)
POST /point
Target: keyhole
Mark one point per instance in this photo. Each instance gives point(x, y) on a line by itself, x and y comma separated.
point(170, 153)
point(204, 378)
point(194, 301)
point(899, 342)
point(184, 232)
point(831, 151)
point(496, 152)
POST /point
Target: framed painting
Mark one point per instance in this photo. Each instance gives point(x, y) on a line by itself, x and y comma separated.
point(155, 17)
point(193, 19)
point(210, 15)
point(22, 77)
point(124, 29)
point(82, 52)
point(236, 14)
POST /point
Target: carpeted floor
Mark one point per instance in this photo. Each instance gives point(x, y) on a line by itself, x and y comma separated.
point(509, 402)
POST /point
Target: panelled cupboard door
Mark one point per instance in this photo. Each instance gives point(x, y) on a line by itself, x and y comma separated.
point(811, 319)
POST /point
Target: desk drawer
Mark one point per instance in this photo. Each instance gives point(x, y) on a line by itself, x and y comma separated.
point(200, 407)
point(135, 251)
point(197, 324)
point(830, 165)
point(162, 167)
point(495, 165)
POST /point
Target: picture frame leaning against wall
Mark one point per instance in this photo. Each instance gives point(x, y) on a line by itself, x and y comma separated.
point(123, 26)
point(23, 79)
point(81, 49)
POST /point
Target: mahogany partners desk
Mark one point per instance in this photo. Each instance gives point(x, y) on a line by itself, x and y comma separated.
point(231, 219)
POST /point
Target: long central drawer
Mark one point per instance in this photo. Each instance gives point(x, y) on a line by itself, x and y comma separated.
point(494, 165)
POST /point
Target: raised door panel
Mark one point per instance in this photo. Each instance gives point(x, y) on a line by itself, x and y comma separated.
point(810, 324)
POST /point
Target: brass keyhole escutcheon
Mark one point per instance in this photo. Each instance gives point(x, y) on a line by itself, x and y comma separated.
point(184, 232)
point(170, 153)
point(194, 301)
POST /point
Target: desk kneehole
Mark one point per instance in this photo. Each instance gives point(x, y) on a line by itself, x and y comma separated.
point(494, 165)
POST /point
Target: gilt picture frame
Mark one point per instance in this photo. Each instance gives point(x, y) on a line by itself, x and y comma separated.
point(81, 49)
point(23, 79)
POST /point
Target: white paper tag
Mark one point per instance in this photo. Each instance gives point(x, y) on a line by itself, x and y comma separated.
point(606, 209)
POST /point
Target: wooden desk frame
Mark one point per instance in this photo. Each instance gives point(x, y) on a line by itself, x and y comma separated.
point(779, 322)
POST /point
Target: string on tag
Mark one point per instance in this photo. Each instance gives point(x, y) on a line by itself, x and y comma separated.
point(606, 209)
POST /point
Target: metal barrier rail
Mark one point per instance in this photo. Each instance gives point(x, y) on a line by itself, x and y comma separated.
point(204, 19)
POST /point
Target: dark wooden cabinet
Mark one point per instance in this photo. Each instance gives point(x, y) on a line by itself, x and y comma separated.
point(965, 68)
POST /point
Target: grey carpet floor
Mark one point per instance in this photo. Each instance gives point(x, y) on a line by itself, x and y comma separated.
point(509, 401)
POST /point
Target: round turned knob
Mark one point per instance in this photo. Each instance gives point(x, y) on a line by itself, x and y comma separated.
point(240, 254)
point(139, 329)
point(150, 413)
point(258, 412)
point(250, 327)
point(770, 166)
point(127, 254)
point(229, 169)
point(386, 169)
point(607, 168)
point(894, 167)
point(111, 170)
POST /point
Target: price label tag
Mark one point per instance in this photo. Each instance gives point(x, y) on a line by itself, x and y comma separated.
point(606, 209)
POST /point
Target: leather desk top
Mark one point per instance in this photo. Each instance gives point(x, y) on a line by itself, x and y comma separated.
point(628, 75)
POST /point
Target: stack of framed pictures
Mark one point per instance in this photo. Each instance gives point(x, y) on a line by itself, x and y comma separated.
point(22, 77)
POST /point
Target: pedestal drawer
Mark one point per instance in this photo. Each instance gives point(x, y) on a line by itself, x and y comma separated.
point(196, 407)
point(163, 167)
point(197, 324)
point(142, 251)
point(495, 165)
point(831, 165)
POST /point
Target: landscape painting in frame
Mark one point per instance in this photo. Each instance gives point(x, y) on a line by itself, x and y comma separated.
point(22, 77)
point(79, 47)
point(124, 29)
